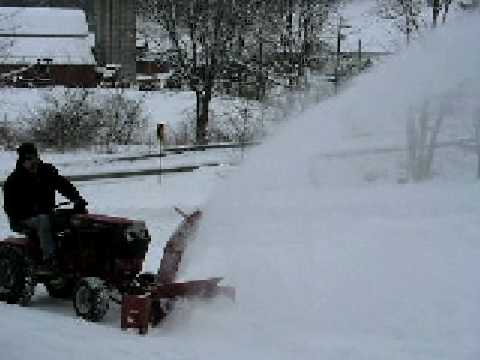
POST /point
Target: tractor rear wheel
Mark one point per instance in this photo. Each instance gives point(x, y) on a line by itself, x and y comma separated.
point(90, 299)
point(16, 282)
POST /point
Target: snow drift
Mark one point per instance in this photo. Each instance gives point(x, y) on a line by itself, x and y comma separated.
point(328, 265)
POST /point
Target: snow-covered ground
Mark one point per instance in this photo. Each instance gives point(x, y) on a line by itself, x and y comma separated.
point(83, 163)
point(330, 256)
point(173, 108)
point(167, 107)
point(377, 26)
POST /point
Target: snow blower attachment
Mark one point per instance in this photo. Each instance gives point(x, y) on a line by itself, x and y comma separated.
point(138, 310)
point(100, 259)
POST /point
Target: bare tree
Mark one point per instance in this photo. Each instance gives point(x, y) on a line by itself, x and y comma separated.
point(446, 7)
point(476, 124)
point(8, 132)
point(406, 11)
point(78, 118)
point(437, 7)
point(423, 129)
point(7, 26)
point(227, 46)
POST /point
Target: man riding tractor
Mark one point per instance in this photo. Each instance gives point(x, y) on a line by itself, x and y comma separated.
point(29, 199)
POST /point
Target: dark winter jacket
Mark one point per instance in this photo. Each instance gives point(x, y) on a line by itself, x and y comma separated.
point(27, 194)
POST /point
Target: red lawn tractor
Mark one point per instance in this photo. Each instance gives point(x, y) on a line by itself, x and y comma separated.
point(100, 259)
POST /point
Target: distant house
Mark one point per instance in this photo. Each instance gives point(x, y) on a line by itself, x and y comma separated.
point(153, 66)
point(469, 4)
point(45, 46)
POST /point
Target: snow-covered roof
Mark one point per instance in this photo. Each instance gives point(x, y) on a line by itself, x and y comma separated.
point(29, 34)
point(26, 50)
point(42, 21)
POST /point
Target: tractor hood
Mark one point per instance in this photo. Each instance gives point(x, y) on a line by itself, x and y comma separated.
point(103, 219)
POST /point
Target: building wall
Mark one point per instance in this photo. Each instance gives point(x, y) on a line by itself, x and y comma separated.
point(115, 38)
point(67, 75)
point(151, 67)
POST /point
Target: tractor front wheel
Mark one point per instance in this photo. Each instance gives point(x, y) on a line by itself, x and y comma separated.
point(90, 299)
point(62, 290)
point(16, 282)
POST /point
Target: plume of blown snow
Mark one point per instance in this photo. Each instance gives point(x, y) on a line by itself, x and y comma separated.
point(325, 267)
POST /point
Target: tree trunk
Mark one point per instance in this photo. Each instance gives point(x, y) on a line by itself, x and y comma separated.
point(260, 85)
point(422, 137)
point(430, 151)
point(436, 11)
point(445, 12)
point(291, 61)
point(412, 148)
point(477, 140)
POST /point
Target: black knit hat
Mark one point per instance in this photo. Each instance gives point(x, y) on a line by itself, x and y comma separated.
point(26, 149)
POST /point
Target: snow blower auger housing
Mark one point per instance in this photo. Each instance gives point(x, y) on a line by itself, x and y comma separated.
point(100, 259)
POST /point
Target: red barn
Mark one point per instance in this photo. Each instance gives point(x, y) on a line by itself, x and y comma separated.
point(45, 46)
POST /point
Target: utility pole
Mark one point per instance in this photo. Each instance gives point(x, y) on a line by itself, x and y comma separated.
point(337, 64)
point(340, 36)
point(359, 55)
